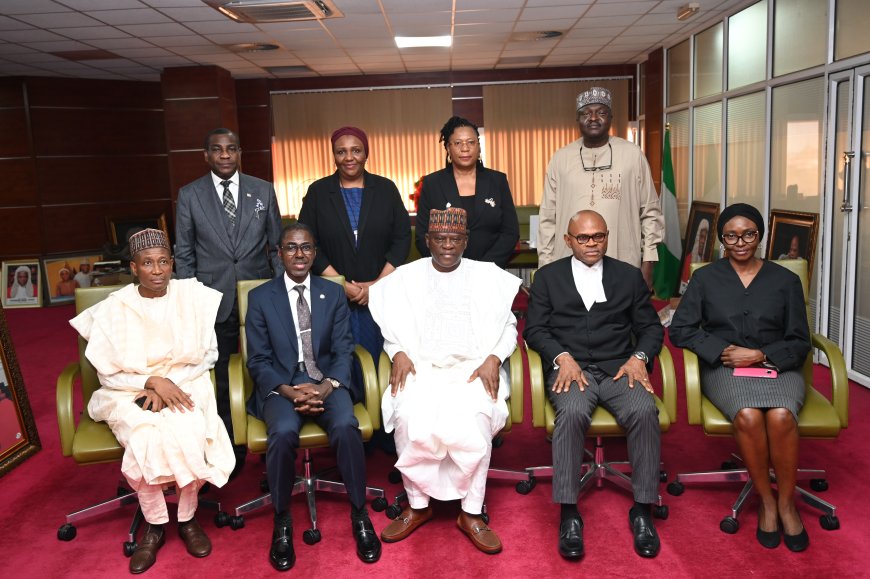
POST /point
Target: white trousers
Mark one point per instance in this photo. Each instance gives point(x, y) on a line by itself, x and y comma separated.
point(153, 503)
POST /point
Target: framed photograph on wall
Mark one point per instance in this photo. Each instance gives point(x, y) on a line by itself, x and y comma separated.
point(121, 228)
point(18, 436)
point(793, 236)
point(64, 274)
point(22, 287)
point(700, 234)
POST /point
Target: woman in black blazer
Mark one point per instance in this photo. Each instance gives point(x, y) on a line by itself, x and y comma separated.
point(362, 229)
point(483, 193)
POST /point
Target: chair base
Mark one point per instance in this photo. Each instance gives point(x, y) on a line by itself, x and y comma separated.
point(598, 469)
point(309, 483)
point(126, 496)
point(829, 519)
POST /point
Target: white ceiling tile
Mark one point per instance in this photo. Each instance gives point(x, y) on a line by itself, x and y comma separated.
point(556, 3)
point(163, 61)
point(646, 39)
point(170, 3)
point(621, 8)
point(526, 52)
point(117, 64)
point(226, 26)
point(353, 7)
point(58, 46)
point(145, 30)
point(241, 37)
point(654, 30)
point(286, 26)
point(416, 5)
point(582, 40)
point(133, 16)
point(421, 30)
point(191, 50)
point(475, 29)
point(113, 43)
point(271, 58)
point(12, 24)
point(177, 41)
point(421, 18)
point(140, 52)
point(36, 58)
point(488, 4)
point(32, 35)
point(372, 52)
point(31, 7)
point(542, 25)
point(93, 33)
point(58, 20)
point(486, 16)
point(554, 12)
point(85, 5)
point(653, 18)
point(587, 22)
point(383, 69)
point(595, 32)
point(193, 14)
point(10, 49)
point(12, 69)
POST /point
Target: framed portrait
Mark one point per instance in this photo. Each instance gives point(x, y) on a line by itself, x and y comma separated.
point(64, 274)
point(793, 236)
point(121, 228)
point(18, 436)
point(21, 284)
point(700, 234)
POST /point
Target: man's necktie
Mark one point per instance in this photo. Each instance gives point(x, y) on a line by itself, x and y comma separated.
point(229, 204)
point(304, 315)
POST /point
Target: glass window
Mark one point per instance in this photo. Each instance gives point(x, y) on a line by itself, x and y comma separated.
point(678, 73)
point(679, 122)
point(747, 46)
point(745, 150)
point(853, 21)
point(800, 35)
point(708, 62)
point(797, 141)
point(707, 144)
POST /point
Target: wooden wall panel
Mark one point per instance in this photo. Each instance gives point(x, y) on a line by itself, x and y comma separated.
point(471, 109)
point(14, 137)
point(135, 177)
point(187, 82)
point(97, 131)
point(654, 113)
point(255, 128)
point(19, 177)
point(197, 117)
point(184, 167)
point(20, 235)
point(92, 93)
point(258, 164)
point(11, 92)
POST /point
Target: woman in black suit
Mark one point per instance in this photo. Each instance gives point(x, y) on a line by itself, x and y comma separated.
point(483, 193)
point(742, 316)
point(362, 229)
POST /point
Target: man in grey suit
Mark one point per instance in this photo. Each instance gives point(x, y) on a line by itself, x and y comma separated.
point(591, 311)
point(227, 228)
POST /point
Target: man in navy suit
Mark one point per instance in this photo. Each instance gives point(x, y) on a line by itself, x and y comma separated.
point(591, 320)
point(227, 226)
point(300, 351)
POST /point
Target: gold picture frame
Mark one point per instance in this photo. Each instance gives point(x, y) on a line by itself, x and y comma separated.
point(793, 235)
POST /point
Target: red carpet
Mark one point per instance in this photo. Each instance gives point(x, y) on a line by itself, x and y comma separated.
point(41, 490)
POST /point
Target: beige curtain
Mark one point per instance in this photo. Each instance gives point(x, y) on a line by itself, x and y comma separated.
point(402, 127)
point(527, 123)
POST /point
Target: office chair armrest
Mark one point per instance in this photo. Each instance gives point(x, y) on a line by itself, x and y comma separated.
point(669, 383)
point(538, 390)
point(385, 366)
point(693, 386)
point(370, 385)
point(515, 371)
point(238, 404)
point(839, 376)
point(65, 419)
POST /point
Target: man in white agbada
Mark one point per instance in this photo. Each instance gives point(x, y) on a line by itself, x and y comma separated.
point(447, 326)
point(83, 277)
point(152, 346)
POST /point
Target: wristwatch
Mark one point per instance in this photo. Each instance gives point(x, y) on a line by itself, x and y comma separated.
point(641, 356)
point(335, 383)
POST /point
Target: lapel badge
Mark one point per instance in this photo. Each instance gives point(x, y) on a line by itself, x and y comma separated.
point(323, 297)
point(448, 206)
point(247, 194)
point(490, 201)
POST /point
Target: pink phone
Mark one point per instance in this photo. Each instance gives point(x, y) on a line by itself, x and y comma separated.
point(751, 372)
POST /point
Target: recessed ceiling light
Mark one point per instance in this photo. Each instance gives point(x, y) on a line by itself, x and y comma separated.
point(423, 41)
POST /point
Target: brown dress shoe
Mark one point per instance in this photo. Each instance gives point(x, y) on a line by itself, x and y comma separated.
point(404, 524)
point(194, 538)
point(145, 554)
point(480, 534)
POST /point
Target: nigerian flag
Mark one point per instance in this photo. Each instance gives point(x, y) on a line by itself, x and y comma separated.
point(666, 275)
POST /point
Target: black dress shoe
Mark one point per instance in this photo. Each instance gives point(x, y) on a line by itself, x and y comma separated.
point(797, 543)
point(368, 546)
point(281, 555)
point(571, 538)
point(768, 539)
point(646, 540)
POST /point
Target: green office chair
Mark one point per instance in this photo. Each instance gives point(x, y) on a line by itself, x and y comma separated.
point(818, 418)
point(251, 431)
point(603, 425)
point(92, 442)
point(515, 416)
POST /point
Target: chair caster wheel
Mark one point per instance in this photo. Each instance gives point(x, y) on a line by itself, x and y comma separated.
point(264, 485)
point(393, 511)
point(524, 487)
point(66, 532)
point(484, 517)
point(237, 523)
point(497, 441)
point(819, 485)
point(663, 476)
point(676, 488)
point(829, 522)
point(395, 476)
point(661, 512)
point(311, 536)
point(122, 491)
point(129, 548)
point(379, 504)
point(729, 525)
point(221, 519)
point(728, 465)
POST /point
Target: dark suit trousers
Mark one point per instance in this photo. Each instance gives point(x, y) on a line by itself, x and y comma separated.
point(283, 424)
point(634, 409)
point(227, 333)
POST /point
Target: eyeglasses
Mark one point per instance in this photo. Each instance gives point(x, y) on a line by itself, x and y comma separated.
point(733, 238)
point(470, 143)
point(596, 167)
point(292, 248)
point(451, 239)
point(583, 239)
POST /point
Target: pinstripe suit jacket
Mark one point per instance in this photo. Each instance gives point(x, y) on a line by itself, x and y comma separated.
point(606, 335)
point(204, 249)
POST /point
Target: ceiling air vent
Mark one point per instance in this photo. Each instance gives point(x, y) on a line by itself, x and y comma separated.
point(255, 11)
